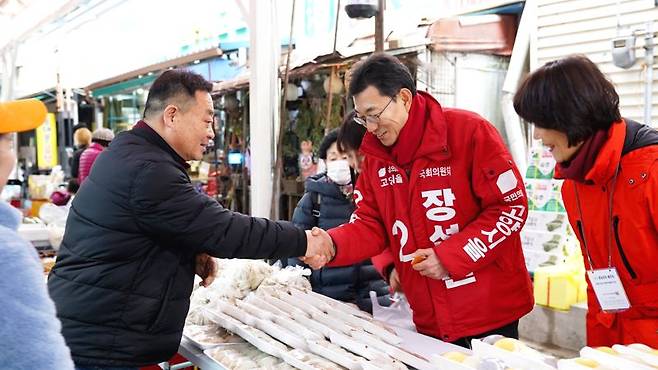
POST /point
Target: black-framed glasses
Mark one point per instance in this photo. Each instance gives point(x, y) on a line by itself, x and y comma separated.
point(371, 118)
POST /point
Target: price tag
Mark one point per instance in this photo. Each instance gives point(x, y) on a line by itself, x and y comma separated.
point(608, 289)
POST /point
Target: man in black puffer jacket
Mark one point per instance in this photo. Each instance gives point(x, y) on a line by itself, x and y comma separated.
point(136, 231)
point(327, 203)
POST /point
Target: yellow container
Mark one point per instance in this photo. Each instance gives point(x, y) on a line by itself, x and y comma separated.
point(582, 291)
point(555, 287)
point(36, 206)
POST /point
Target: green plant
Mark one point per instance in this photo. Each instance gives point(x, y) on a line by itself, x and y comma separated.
point(311, 120)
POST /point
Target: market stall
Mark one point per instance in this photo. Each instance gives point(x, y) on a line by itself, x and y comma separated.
point(257, 316)
point(260, 314)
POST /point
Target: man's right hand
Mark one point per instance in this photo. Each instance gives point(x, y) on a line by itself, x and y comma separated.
point(394, 281)
point(319, 248)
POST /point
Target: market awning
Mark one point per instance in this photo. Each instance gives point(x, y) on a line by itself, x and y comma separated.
point(488, 34)
point(146, 75)
point(304, 63)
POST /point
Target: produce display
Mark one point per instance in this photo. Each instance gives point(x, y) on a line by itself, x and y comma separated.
point(499, 353)
point(208, 336)
point(275, 311)
point(287, 325)
point(619, 357)
point(245, 357)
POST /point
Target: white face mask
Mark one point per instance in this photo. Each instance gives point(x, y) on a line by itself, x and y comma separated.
point(339, 172)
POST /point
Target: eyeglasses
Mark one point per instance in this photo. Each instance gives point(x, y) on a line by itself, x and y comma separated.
point(371, 118)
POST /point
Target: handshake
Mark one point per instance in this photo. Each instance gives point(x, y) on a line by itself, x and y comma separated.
point(319, 248)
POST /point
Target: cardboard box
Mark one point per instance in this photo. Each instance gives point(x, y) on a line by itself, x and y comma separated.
point(555, 287)
point(547, 221)
point(542, 241)
point(536, 259)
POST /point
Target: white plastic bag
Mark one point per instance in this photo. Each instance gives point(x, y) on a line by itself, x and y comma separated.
point(56, 234)
point(397, 314)
point(50, 213)
point(55, 217)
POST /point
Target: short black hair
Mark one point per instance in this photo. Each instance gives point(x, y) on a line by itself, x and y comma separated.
point(328, 139)
point(569, 95)
point(174, 84)
point(350, 133)
point(384, 72)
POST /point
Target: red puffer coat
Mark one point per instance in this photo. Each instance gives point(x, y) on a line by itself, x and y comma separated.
point(634, 229)
point(464, 197)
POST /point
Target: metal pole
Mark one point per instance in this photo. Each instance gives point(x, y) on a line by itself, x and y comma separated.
point(336, 26)
point(7, 92)
point(379, 27)
point(520, 53)
point(264, 53)
point(278, 170)
point(330, 96)
point(246, 174)
point(648, 86)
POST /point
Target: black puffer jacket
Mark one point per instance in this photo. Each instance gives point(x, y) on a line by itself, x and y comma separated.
point(125, 270)
point(349, 283)
point(75, 161)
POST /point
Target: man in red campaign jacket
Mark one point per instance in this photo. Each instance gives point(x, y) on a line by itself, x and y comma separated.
point(439, 191)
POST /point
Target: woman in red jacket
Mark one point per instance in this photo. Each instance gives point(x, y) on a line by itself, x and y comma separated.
point(610, 167)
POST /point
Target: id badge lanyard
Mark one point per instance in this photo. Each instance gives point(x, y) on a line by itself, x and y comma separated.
point(605, 281)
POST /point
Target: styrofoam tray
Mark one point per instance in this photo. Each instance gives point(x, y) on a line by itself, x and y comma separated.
point(343, 359)
point(263, 304)
point(254, 310)
point(262, 341)
point(290, 359)
point(373, 365)
point(571, 364)
point(309, 299)
point(282, 334)
point(339, 305)
point(333, 323)
point(299, 329)
point(203, 345)
point(208, 354)
point(294, 301)
point(244, 352)
point(366, 325)
point(315, 325)
point(238, 314)
point(225, 321)
point(641, 354)
point(513, 359)
point(284, 306)
point(392, 351)
point(360, 349)
point(446, 364)
point(616, 361)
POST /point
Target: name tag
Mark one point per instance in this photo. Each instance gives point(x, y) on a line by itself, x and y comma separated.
point(608, 289)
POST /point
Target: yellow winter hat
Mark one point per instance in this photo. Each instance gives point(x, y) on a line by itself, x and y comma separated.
point(21, 115)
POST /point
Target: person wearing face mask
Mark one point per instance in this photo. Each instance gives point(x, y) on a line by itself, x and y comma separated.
point(327, 203)
point(610, 169)
point(350, 136)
